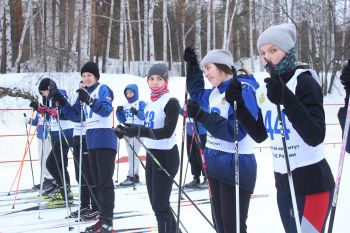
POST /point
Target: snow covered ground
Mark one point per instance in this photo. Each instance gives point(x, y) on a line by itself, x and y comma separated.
point(132, 207)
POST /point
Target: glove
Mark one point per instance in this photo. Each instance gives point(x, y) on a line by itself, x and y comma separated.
point(120, 108)
point(234, 92)
point(34, 104)
point(131, 132)
point(275, 89)
point(85, 97)
point(58, 97)
point(52, 112)
point(118, 132)
point(193, 109)
point(191, 58)
point(345, 77)
point(42, 109)
point(133, 110)
point(27, 120)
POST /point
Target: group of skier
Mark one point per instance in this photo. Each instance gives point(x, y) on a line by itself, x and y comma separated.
point(235, 113)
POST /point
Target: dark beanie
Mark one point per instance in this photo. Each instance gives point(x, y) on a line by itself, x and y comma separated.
point(47, 84)
point(92, 68)
point(158, 69)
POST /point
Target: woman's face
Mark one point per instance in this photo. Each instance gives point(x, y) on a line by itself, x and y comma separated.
point(155, 81)
point(272, 53)
point(214, 75)
point(88, 79)
point(44, 93)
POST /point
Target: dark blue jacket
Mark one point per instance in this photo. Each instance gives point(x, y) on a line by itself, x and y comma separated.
point(100, 137)
point(220, 164)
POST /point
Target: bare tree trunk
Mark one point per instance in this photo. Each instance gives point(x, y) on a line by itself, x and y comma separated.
point(170, 44)
point(93, 30)
point(140, 30)
point(251, 46)
point(344, 31)
point(132, 51)
point(151, 34)
point(44, 33)
point(224, 43)
point(121, 33)
point(198, 29)
point(145, 32)
point(71, 23)
point(165, 39)
point(182, 7)
point(209, 25)
point(25, 27)
point(79, 43)
point(16, 16)
point(3, 44)
point(108, 46)
point(127, 59)
point(62, 36)
point(214, 30)
point(231, 26)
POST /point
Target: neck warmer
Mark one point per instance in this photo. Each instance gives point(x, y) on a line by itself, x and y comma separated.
point(287, 63)
point(156, 93)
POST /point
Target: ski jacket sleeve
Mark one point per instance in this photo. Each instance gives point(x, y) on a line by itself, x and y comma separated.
point(171, 110)
point(103, 104)
point(305, 110)
point(120, 116)
point(71, 112)
point(195, 87)
point(141, 111)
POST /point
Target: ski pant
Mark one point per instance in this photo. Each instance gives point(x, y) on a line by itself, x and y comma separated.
point(224, 204)
point(53, 162)
point(133, 161)
point(102, 163)
point(86, 195)
point(194, 154)
point(44, 149)
point(313, 210)
point(159, 186)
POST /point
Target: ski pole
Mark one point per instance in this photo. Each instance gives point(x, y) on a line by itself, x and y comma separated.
point(340, 169)
point(30, 154)
point(155, 160)
point(234, 73)
point(272, 71)
point(118, 149)
point(190, 152)
point(143, 165)
point(80, 159)
point(205, 169)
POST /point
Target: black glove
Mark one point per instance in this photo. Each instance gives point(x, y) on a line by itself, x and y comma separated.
point(85, 97)
point(345, 77)
point(193, 109)
point(120, 108)
point(234, 92)
point(131, 132)
point(133, 110)
point(34, 104)
point(118, 132)
point(191, 58)
point(56, 96)
point(274, 85)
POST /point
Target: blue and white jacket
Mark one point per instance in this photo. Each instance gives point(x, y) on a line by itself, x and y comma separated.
point(41, 133)
point(219, 148)
point(126, 116)
point(97, 136)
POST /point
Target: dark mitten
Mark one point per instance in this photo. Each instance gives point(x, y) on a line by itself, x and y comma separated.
point(345, 77)
point(234, 92)
point(85, 97)
point(133, 110)
point(133, 131)
point(58, 98)
point(34, 104)
point(120, 108)
point(191, 58)
point(119, 131)
point(193, 109)
point(275, 90)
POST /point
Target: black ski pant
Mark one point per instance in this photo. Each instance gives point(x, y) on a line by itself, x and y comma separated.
point(54, 161)
point(194, 154)
point(86, 195)
point(224, 204)
point(102, 163)
point(159, 186)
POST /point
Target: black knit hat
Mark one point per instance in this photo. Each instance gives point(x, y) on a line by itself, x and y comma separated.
point(158, 69)
point(47, 84)
point(92, 68)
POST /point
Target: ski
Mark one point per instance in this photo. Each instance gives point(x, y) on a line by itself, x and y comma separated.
point(136, 230)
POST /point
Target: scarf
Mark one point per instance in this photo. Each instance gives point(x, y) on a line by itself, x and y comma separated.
point(288, 62)
point(156, 93)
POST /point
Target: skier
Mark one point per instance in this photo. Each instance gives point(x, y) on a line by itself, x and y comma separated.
point(132, 113)
point(345, 80)
point(193, 152)
point(161, 115)
point(217, 68)
point(44, 145)
point(101, 140)
point(53, 162)
point(300, 98)
point(88, 209)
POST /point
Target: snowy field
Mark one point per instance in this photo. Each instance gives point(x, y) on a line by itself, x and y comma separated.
point(132, 208)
